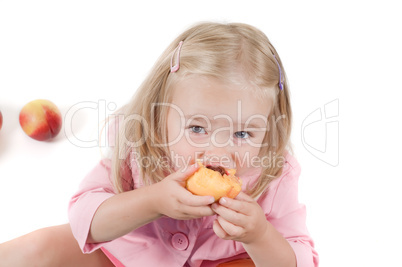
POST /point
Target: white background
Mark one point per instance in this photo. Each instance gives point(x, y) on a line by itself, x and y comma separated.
point(98, 52)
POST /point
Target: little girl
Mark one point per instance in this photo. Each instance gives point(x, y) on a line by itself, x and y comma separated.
point(217, 94)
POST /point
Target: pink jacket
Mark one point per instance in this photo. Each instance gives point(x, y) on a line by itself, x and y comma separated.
point(171, 242)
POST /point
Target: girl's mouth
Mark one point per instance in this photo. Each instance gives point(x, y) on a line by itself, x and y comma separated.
point(219, 169)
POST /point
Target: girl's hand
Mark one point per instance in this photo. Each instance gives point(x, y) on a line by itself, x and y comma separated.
point(240, 219)
point(174, 201)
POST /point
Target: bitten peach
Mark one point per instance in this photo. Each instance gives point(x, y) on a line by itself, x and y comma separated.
point(40, 119)
point(214, 181)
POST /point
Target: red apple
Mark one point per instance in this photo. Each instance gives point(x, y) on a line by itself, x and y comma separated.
point(1, 120)
point(40, 119)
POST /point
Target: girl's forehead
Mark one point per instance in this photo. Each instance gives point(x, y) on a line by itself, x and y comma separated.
point(203, 96)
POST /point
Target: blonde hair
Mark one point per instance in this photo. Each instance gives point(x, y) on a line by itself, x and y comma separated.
point(214, 50)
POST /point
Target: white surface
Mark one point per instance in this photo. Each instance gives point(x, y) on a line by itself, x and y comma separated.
point(343, 57)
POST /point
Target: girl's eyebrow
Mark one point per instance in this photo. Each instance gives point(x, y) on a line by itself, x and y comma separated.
point(253, 126)
point(203, 119)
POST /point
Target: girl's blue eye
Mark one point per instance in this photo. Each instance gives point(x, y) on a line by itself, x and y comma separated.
point(197, 129)
point(241, 134)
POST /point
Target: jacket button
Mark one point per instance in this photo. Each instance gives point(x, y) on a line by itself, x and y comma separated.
point(179, 241)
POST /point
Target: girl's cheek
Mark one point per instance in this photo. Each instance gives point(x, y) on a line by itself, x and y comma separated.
point(182, 155)
point(247, 160)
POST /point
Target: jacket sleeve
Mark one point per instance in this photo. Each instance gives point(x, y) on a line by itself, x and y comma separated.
point(288, 216)
point(93, 191)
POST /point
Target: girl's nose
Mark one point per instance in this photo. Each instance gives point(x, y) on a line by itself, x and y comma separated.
point(218, 156)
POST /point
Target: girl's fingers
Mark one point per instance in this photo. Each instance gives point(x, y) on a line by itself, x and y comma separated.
point(230, 215)
point(240, 204)
point(196, 201)
point(244, 197)
point(229, 228)
point(218, 230)
point(197, 212)
point(183, 174)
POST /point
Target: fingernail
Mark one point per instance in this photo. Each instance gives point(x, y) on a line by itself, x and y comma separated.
point(222, 201)
point(212, 200)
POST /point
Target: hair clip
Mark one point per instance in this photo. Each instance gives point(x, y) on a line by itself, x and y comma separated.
point(280, 74)
point(177, 65)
